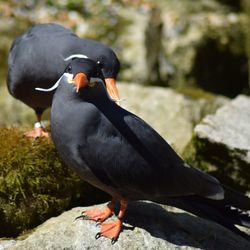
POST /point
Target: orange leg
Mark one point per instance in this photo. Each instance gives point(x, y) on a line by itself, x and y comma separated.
point(38, 130)
point(112, 229)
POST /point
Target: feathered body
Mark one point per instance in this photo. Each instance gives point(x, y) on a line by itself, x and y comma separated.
point(118, 152)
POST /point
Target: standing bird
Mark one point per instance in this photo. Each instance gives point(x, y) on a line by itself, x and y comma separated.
point(121, 154)
point(49, 48)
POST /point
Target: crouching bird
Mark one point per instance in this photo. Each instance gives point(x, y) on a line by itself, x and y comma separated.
point(49, 48)
point(121, 154)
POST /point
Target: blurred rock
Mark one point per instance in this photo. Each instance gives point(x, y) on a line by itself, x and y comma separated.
point(221, 144)
point(201, 44)
point(196, 44)
point(147, 226)
point(14, 113)
point(170, 113)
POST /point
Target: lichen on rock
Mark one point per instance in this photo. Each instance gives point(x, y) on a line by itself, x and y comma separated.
point(221, 144)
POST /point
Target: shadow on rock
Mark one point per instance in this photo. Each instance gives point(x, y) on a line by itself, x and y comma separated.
point(181, 228)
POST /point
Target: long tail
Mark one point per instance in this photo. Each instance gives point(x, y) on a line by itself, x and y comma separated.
point(222, 212)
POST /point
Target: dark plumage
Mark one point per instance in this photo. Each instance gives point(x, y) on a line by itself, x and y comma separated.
point(121, 154)
point(39, 57)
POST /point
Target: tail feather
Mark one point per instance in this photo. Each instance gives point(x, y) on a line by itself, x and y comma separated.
point(216, 210)
point(241, 217)
point(236, 198)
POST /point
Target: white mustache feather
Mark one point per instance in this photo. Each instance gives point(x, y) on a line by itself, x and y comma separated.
point(69, 77)
point(75, 56)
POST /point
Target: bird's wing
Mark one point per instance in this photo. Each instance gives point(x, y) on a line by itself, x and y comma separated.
point(130, 155)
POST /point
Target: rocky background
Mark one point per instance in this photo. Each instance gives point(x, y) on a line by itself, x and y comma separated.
point(184, 70)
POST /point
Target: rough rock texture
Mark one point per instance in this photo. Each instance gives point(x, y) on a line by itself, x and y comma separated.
point(170, 113)
point(222, 143)
point(147, 226)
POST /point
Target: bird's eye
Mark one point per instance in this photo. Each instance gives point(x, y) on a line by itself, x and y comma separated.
point(69, 69)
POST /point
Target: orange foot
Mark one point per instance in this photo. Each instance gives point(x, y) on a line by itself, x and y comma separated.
point(110, 230)
point(36, 132)
point(96, 214)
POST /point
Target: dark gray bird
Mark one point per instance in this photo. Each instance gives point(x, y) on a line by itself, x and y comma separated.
point(49, 48)
point(121, 154)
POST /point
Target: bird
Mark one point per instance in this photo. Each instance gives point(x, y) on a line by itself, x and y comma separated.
point(49, 48)
point(119, 153)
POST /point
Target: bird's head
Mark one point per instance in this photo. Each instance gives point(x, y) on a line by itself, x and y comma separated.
point(83, 73)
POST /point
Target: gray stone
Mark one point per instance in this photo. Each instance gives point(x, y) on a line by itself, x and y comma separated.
point(192, 36)
point(6, 243)
point(229, 126)
point(147, 226)
point(222, 143)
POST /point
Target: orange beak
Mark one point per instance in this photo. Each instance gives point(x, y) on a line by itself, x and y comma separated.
point(112, 89)
point(81, 81)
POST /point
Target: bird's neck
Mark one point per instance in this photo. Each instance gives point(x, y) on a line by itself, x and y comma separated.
point(96, 95)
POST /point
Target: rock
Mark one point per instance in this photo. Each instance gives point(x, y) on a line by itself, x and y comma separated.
point(147, 226)
point(14, 113)
point(221, 143)
point(207, 32)
point(213, 35)
point(6, 243)
point(170, 113)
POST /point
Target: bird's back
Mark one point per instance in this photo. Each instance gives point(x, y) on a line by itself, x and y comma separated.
point(37, 59)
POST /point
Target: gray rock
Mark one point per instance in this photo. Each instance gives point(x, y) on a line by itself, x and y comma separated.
point(222, 143)
point(6, 243)
point(192, 35)
point(147, 226)
point(229, 126)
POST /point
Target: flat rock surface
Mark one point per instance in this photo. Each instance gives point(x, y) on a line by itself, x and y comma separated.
point(147, 226)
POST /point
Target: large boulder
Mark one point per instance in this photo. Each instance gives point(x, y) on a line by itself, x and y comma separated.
point(221, 144)
point(147, 226)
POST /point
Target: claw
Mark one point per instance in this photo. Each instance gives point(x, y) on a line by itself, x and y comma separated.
point(113, 241)
point(98, 235)
point(80, 217)
point(98, 224)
